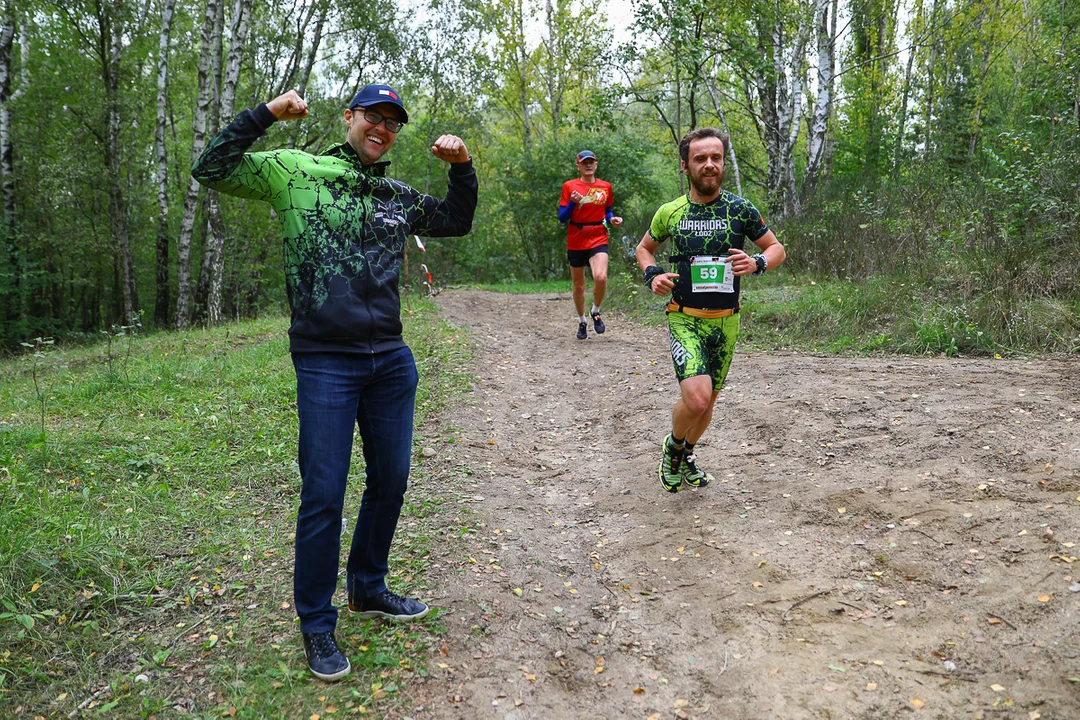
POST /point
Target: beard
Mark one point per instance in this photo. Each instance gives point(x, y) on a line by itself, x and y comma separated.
point(705, 184)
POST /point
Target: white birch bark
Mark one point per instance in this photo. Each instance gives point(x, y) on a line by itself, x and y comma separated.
point(161, 303)
point(8, 96)
point(214, 258)
point(819, 126)
point(191, 197)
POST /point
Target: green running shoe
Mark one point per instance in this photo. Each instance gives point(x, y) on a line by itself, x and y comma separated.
point(693, 476)
point(669, 471)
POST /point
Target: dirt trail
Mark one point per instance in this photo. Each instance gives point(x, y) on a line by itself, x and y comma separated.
point(882, 535)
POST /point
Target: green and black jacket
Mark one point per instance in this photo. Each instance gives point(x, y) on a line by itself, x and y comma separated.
point(345, 228)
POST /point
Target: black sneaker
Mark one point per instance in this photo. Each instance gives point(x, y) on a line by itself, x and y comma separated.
point(598, 323)
point(388, 605)
point(582, 331)
point(691, 474)
point(324, 658)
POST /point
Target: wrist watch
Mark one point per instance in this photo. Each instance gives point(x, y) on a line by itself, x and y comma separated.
point(762, 263)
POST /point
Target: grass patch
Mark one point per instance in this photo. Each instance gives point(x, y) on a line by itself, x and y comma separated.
point(876, 315)
point(527, 288)
point(146, 539)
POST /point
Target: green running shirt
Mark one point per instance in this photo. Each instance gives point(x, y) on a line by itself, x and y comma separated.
point(705, 229)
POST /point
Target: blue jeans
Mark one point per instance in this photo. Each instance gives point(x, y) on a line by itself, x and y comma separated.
point(334, 391)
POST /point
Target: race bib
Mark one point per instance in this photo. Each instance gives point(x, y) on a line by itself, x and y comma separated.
point(711, 274)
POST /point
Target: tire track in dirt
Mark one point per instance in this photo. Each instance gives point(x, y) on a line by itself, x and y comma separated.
point(867, 518)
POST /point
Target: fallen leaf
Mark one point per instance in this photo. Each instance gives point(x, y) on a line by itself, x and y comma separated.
point(993, 620)
point(879, 663)
point(1044, 598)
point(871, 687)
point(639, 691)
point(902, 603)
point(841, 510)
point(917, 703)
point(517, 591)
point(997, 688)
point(680, 703)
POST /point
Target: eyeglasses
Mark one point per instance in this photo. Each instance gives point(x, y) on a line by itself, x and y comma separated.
point(375, 118)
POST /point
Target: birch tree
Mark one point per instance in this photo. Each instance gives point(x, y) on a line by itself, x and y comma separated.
point(9, 270)
point(819, 125)
point(198, 144)
point(775, 82)
point(161, 302)
point(213, 265)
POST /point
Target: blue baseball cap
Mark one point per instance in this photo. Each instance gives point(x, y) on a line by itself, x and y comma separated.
point(376, 94)
point(585, 155)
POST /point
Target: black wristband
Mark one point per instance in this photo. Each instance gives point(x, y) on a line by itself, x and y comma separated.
point(762, 263)
point(650, 274)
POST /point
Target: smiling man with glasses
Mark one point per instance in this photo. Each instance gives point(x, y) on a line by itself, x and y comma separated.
point(345, 227)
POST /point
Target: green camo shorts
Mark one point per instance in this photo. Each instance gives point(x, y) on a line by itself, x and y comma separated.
point(702, 346)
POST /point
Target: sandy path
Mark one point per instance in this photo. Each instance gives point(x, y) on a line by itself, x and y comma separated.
point(882, 534)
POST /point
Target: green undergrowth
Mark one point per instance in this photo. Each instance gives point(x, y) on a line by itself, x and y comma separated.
point(150, 491)
point(880, 315)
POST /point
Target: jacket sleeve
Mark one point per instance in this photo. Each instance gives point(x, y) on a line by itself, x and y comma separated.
point(452, 216)
point(566, 212)
point(226, 165)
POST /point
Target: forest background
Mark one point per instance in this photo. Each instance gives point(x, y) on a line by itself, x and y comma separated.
point(918, 157)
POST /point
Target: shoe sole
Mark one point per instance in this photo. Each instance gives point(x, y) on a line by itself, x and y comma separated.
point(372, 614)
point(333, 676)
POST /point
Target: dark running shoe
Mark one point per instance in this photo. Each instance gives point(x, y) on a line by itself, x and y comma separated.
point(582, 331)
point(693, 476)
point(598, 323)
point(388, 605)
point(324, 658)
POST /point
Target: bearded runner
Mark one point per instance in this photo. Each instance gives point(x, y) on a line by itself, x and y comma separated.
point(707, 228)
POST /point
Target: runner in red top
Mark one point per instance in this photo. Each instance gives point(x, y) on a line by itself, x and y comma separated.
point(586, 208)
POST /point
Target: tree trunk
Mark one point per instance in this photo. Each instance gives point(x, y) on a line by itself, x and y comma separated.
point(191, 198)
point(305, 75)
point(931, 66)
point(819, 126)
point(901, 123)
point(161, 302)
point(110, 45)
point(8, 263)
point(213, 266)
point(9, 254)
point(781, 109)
point(523, 76)
point(733, 161)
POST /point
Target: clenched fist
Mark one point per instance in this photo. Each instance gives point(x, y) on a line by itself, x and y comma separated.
point(289, 106)
point(451, 149)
